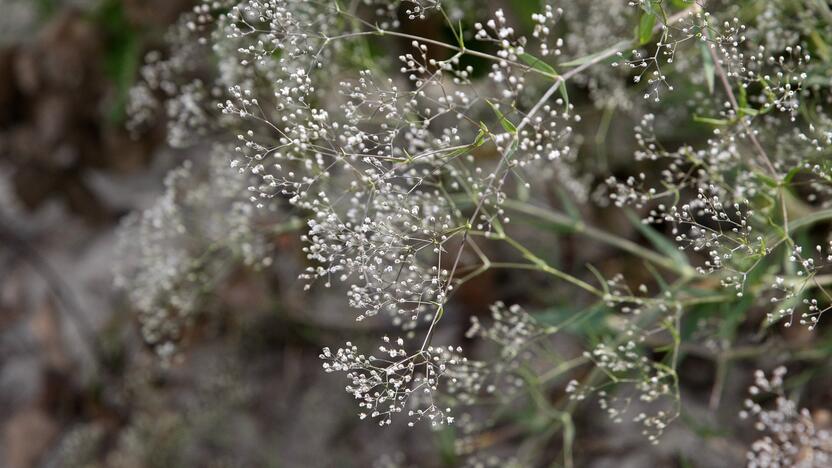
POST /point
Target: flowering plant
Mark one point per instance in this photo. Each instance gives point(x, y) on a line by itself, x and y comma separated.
point(419, 172)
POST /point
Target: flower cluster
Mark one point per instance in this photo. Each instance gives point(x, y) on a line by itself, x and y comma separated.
point(791, 436)
point(512, 328)
point(792, 293)
point(175, 250)
point(398, 381)
point(651, 383)
point(407, 169)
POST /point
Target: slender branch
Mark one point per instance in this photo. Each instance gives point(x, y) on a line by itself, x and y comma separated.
point(723, 78)
point(818, 216)
point(466, 51)
point(599, 235)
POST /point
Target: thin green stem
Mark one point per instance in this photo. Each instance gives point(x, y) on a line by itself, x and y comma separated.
point(818, 216)
point(540, 264)
point(461, 50)
point(580, 227)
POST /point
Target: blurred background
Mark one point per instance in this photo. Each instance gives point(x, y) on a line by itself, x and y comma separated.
point(78, 387)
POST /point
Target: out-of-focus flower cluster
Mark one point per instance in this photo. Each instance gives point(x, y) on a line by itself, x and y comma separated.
point(790, 436)
point(175, 251)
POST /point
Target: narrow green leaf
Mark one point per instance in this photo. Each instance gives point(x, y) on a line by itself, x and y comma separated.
point(564, 94)
point(645, 28)
point(482, 135)
point(822, 49)
point(649, 8)
point(771, 182)
point(743, 97)
point(505, 122)
point(457, 35)
point(547, 70)
point(603, 283)
point(708, 66)
point(790, 176)
point(568, 205)
point(513, 148)
point(660, 242)
point(538, 64)
point(658, 277)
point(711, 121)
point(439, 313)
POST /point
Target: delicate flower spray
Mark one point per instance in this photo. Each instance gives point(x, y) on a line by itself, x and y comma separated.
point(409, 168)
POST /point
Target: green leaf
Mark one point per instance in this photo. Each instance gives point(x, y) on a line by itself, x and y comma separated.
point(657, 276)
point(445, 440)
point(439, 313)
point(457, 34)
point(822, 49)
point(564, 94)
point(743, 97)
point(790, 176)
point(122, 55)
point(770, 181)
point(711, 121)
point(660, 242)
point(589, 322)
point(547, 70)
point(649, 7)
point(708, 66)
point(482, 135)
point(505, 122)
point(645, 28)
point(538, 65)
point(513, 148)
point(742, 100)
point(568, 205)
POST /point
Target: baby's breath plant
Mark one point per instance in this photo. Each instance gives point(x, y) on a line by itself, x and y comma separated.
point(412, 156)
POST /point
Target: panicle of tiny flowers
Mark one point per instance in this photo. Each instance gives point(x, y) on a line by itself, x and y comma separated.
point(640, 381)
point(592, 26)
point(511, 327)
point(643, 383)
point(397, 166)
point(790, 436)
point(185, 242)
point(397, 381)
point(793, 297)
